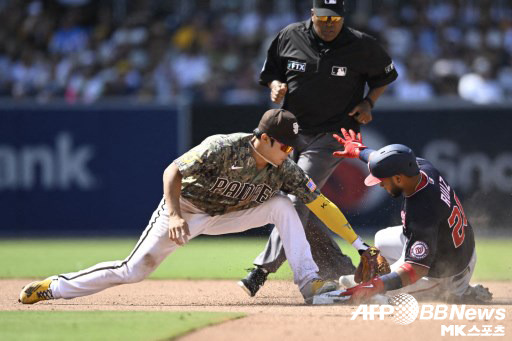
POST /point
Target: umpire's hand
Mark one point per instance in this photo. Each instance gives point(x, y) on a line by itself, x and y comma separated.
point(178, 230)
point(362, 112)
point(277, 91)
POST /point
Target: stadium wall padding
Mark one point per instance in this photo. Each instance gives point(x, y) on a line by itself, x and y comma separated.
point(471, 145)
point(81, 171)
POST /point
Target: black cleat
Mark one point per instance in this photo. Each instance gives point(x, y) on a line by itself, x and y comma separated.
point(254, 280)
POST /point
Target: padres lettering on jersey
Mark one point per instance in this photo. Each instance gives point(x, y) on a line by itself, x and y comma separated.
point(242, 192)
point(220, 176)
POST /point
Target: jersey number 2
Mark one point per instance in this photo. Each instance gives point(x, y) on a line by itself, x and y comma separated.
point(458, 222)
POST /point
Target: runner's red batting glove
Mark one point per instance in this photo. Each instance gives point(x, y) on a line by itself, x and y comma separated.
point(352, 142)
point(364, 291)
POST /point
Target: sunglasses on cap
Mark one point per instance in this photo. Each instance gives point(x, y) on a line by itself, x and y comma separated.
point(284, 148)
point(325, 18)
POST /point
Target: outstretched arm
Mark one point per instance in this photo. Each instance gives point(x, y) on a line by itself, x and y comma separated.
point(178, 227)
point(405, 275)
point(353, 146)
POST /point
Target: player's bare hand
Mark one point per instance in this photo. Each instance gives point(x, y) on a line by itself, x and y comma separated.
point(277, 91)
point(362, 113)
point(178, 230)
point(352, 143)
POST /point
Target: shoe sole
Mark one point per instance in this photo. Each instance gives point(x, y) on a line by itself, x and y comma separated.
point(20, 299)
point(326, 288)
point(247, 291)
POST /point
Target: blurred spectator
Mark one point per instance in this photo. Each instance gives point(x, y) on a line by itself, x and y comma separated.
point(211, 50)
point(480, 86)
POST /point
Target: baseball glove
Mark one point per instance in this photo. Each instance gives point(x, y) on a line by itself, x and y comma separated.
point(372, 264)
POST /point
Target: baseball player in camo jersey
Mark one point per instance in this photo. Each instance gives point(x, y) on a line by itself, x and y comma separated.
point(227, 184)
point(432, 254)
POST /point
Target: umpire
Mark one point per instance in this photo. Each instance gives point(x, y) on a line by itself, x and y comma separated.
point(321, 67)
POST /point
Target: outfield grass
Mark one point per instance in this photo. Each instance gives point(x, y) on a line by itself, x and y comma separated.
point(104, 325)
point(208, 258)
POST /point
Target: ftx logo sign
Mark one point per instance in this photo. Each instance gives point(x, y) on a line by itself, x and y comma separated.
point(296, 66)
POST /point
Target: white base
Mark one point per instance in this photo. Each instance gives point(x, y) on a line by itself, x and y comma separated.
point(331, 297)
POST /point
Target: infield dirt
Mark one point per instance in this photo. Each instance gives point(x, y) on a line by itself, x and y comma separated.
point(276, 313)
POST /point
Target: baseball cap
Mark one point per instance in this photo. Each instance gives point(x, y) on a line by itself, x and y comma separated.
point(329, 8)
point(391, 160)
point(281, 125)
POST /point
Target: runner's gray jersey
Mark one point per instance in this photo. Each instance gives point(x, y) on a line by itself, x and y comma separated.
point(220, 176)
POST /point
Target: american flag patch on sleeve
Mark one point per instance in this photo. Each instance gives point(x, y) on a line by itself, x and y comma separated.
point(311, 185)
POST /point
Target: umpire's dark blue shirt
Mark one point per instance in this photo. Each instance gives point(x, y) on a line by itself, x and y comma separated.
point(325, 80)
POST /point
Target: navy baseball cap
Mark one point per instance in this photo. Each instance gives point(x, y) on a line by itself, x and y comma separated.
point(281, 125)
point(391, 160)
point(329, 8)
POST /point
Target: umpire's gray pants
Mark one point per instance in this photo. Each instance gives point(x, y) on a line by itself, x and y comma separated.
point(315, 157)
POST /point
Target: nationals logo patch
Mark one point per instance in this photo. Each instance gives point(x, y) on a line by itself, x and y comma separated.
point(419, 250)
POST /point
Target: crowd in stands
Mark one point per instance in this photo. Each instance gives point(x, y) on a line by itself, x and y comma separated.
point(155, 51)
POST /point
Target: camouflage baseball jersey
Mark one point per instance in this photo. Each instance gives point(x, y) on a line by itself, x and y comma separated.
point(220, 176)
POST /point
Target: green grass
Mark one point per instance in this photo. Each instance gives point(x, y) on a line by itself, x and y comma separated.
point(104, 325)
point(492, 259)
point(202, 258)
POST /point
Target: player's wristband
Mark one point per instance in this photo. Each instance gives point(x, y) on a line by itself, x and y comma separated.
point(370, 101)
point(364, 154)
point(409, 270)
point(392, 281)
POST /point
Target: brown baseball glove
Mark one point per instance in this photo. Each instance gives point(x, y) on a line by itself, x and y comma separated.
point(372, 264)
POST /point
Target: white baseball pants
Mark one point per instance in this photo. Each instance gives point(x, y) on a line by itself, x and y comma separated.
point(391, 242)
point(154, 246)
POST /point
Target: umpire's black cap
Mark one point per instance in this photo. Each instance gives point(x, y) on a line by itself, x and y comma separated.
point(281, 125)
point(391, 160)
point(329, 8)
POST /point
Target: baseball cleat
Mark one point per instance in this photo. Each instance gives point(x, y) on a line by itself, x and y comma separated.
point(317, 287)
point(476, 294)
point(36, 291)
point(254, 280)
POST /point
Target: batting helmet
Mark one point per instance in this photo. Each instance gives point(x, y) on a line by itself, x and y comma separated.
point(391, 160)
